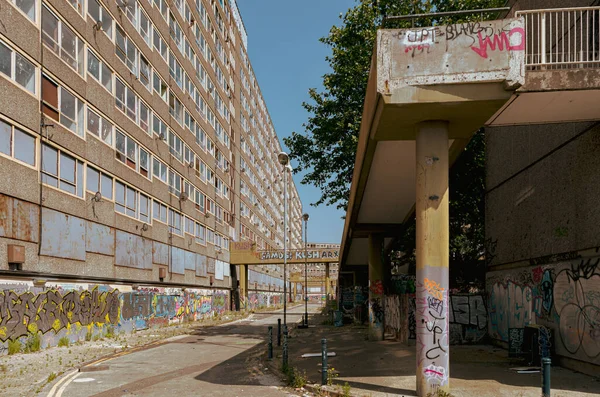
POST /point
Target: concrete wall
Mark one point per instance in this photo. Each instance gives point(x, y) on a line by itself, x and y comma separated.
point(262, 299)
point(542, 240)
point(79, 311)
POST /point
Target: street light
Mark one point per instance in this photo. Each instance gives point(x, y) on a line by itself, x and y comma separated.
point(284, 160)
point(305, 218)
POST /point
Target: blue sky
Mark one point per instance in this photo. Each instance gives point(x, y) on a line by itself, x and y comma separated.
point(288, 59)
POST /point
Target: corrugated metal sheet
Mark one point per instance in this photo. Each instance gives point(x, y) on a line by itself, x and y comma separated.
point(218, 270)
point(210, 265)
point(200, 265)
point(63, 235)
point(190, 261)
point(133, 251)
point(177, 260)
point(18, 219)
point(100, 239)
point(160, 253)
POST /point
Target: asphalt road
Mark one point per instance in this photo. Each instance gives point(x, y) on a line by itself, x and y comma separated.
point(213, 361)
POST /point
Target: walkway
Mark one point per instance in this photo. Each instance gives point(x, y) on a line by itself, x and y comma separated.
point(215, 361)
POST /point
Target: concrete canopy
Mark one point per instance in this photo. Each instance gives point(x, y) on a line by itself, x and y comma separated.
point(420, 75)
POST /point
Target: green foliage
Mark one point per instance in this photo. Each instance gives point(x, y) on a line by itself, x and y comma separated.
point(294, 377)
point(346, 390)
point(332, 374)
point(89, 334)
point(51, 377)
point(33, 343)
point(439, 393)
point(64, 342)
point(109, 332)
point(14, 347)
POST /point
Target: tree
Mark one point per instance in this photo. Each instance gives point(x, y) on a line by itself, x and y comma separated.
point(327, 149)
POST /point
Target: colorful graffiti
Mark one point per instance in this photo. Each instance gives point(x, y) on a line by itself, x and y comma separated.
point(259, 300)
point(564, 298)
point(78, 311)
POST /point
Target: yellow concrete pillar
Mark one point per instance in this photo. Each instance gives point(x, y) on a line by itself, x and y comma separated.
point(243, 287)
point(432, 254)
point(376, 320)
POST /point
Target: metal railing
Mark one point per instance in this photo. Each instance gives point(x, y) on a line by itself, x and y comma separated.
point(562, 38)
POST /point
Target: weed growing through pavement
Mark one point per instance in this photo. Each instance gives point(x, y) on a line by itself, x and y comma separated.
point(33, 343)
point(295, 378)
point(439, 393)
point(63, 342)
point(14, 347)
point(346, 390)
point(51, 377)
point(332, 374)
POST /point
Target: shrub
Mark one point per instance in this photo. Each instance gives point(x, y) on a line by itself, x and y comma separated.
point(110, 331)
point(33, 343)
point(89, 334)
point(346, 390)
point(51, 377)
point(63, 342)
point(295, 378)
point(439, 393)
point(14, 347)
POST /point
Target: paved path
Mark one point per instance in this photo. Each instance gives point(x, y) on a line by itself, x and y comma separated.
point(213, 361)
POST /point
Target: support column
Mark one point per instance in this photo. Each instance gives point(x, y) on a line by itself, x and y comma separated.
point(243, 286)
point(376, 320)
point(327, 285)
point(432, 254)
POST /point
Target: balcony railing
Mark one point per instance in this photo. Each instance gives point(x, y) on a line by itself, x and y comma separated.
point(562, 38)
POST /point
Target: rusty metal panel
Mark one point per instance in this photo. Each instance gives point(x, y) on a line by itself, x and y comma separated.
point(200, 265)
point(218, 270)
point(133, 251)
point(177, 260)
point(190, 261)
point(63, 235)
point(100, 239)
point(18, 219)
point(465, 52)
point(210, 265)
point(160, 253)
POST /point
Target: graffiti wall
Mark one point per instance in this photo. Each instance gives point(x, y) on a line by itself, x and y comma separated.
point(563, 297)
point(81, 311)
point(261, 299)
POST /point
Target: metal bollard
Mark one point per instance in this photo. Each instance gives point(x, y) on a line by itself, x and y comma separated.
point(285, 347)
point(546, 365)
point(323, 361)
point(270, 348)
point(278, 332)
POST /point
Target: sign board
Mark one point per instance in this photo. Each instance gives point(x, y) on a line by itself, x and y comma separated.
point(515, 342)
point(243, 253)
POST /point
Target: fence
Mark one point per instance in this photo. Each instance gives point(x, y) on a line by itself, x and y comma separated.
point(562, 38)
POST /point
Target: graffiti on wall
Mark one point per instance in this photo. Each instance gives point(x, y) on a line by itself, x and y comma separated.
point(80, 311)
point(261, 299)
point(564, 298)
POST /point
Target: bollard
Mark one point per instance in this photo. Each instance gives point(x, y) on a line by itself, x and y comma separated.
point(270, 348)
point(546, 365)
point(323, 362)
point(285, 347)
point(278, 332)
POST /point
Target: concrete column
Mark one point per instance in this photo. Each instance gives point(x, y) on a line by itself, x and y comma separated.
point(243, 288)
point(432, 252)
point(376, 320)
point(327, 284)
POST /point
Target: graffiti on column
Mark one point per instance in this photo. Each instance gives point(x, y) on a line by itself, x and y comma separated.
point(432, 332)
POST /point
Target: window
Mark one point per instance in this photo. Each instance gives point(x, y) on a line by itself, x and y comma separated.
point(210, 206)
point(145, 72)
point(160, 45)
point(176, 108)
point(144, 163)
point(189, 226)
point(99, 182)
point(126, 149)
point(125, 199)
point(78, 4)
point(159, 212)
point(200, 234)
point(99, 14)
point(159, 128)
point(210, 236)
point(126, 100)
point(145, 27)
point(160, 87)
point(144, 215)
point(71, 112)
point(126, 50)
point(200, 201)
point(99, 127)
point(61, 39)
point(62, 171)
point(16, 143)
point(159, 169)
point(28, 7)
point(176, 70)
point(175, 222)
point(98, 70)
point(176, 146)
point(174, 183)
point(144, 117)
point(17, 68)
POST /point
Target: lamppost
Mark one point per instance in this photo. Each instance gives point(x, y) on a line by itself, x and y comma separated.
point(284, 160)
point(305, 325)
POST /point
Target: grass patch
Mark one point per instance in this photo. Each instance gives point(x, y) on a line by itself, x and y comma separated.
point(14, 347)
point(440, 393)
point(33, 343)
point(294, 377)
point(51, 377)
point(64, 342)
point(110, 332)
point(88, 335)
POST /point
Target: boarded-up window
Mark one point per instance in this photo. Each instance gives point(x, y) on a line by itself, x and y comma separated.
point(49, 98)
